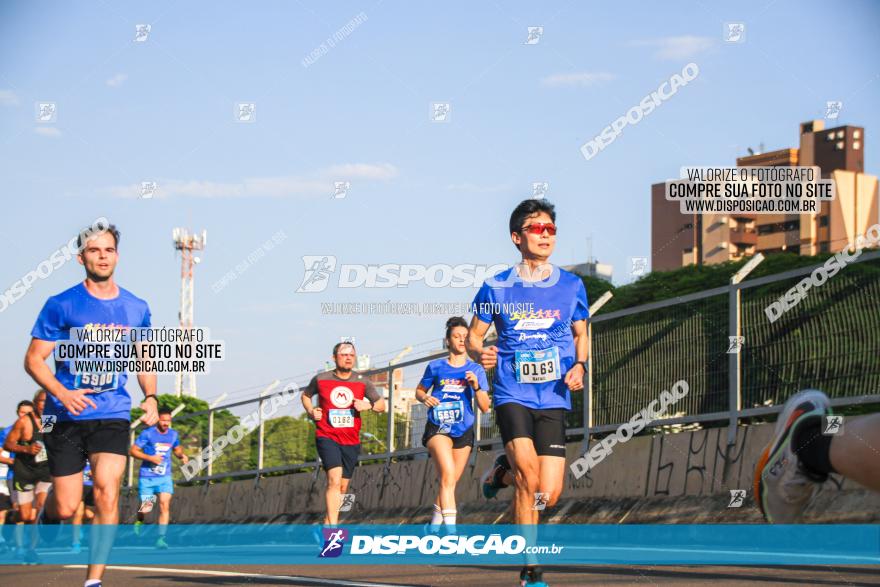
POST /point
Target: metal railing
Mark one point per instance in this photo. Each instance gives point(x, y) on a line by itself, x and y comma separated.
point(830, 340)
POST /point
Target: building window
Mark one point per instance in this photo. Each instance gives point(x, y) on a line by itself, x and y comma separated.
point(779, 227)
point(824, 248)
point(823, 221)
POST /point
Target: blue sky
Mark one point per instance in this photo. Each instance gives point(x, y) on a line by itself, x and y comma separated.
point(421, 192)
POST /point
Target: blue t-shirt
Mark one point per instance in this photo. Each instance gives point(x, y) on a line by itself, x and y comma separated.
point(3, 434)
point(535, 344)
point(77, 308)
point(152, 442)
point(455, 414)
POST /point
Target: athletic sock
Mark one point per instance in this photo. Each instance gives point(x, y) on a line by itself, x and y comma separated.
point(91, 582)
point(436, 518)
point(163, 529)
point(449, 519)
point(812, 447)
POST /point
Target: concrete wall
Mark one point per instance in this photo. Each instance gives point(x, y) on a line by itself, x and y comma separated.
point(681, 478)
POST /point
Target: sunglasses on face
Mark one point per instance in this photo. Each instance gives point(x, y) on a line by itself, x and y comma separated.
point(540, 227)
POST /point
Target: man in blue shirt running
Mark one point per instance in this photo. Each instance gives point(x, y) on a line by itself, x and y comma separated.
point(540, 315)
point(89, 412)
point(154, 446)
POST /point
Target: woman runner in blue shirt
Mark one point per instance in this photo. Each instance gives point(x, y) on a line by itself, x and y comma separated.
point(454, 382)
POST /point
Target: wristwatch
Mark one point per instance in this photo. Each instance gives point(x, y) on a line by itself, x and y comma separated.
point(582, 364)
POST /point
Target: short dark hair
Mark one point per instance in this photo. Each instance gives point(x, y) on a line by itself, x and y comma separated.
point(24, 403)
point(96, 228)
point(527, 208)
point(163, 411)
point(454, 322)
point(339, 344)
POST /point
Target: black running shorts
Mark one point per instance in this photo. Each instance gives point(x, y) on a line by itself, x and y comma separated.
point(70, 443)
point(466, 440)
point(334, 455)
point(546, 428)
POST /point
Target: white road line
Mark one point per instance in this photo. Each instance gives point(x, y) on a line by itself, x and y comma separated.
point(289, 578)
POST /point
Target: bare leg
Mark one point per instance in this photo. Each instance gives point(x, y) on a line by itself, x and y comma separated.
point(107, 470)
point(333, 495)
point(855, 454)
point(524, 460)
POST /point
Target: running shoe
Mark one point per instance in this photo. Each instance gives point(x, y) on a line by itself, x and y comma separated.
point(161, 544)
point(76, 548)
point(138, 527)
point(31, 558)
point(532, 577)
point(783, 486)
point(493, 479)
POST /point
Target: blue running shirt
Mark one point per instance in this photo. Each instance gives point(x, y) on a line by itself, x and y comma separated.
point(152, 442)
point(535, 344)
point(77, 308)
point(455, 414)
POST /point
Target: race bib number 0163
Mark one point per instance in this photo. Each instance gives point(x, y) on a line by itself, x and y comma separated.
point(537, 366)
point(449, 412)
point(341, 418)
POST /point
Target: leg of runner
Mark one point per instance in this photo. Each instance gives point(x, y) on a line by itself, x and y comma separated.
point(333, 495)
point(460, 458)
point(107, 471)
point(855, 454)
point(76, 523)
point(164, 518)
point(552, 475)
point(440, 448)
point(526, 467)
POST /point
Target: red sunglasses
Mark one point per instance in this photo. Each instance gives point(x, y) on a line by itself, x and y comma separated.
point(540, 227)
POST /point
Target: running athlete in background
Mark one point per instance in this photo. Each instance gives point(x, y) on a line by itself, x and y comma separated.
point(30, 470)
point(23, 407)
point(342, 396)
point(6, 460)
point(540, 315)
point(92, 421)
point(154, 446)
point(85, 511)
point(454, 382)
point(805, 450)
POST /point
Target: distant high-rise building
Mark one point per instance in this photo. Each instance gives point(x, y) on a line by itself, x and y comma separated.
point(678, 239)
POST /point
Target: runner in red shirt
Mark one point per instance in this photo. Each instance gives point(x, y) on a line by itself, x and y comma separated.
point(342, 396)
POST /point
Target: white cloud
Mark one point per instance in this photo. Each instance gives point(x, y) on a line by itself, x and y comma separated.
point(318, 184)
point(583, 78)
point(117, 80)
point(47, 131)
point(683, 47)
point(8, 98)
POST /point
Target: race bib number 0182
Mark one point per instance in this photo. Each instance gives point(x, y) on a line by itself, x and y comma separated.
point(537, 366)
point(449, 412)
point(341, 418)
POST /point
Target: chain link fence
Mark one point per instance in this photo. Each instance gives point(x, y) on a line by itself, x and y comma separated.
point(830, 340)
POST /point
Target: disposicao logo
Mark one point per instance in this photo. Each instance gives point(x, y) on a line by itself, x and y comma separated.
point(334, 540)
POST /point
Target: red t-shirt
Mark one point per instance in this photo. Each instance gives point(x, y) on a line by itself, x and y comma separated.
point(340, 421)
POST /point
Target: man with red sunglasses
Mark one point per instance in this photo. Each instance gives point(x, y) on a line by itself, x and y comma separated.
point(540, 314)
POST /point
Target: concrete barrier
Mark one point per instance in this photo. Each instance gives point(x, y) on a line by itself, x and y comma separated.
point(672, 478)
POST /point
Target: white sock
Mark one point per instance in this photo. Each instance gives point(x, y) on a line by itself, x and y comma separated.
point(90, 582)
point(449, 518)
point(436, 518)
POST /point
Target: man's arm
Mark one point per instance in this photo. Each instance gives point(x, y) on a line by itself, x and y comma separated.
point(178, 452)
point(16, 434)
point(378, 402)
point(574, 379)
point(150, 405)
point(476, 334)
point(74, 400)
point(138, 453)
point(311, 389)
